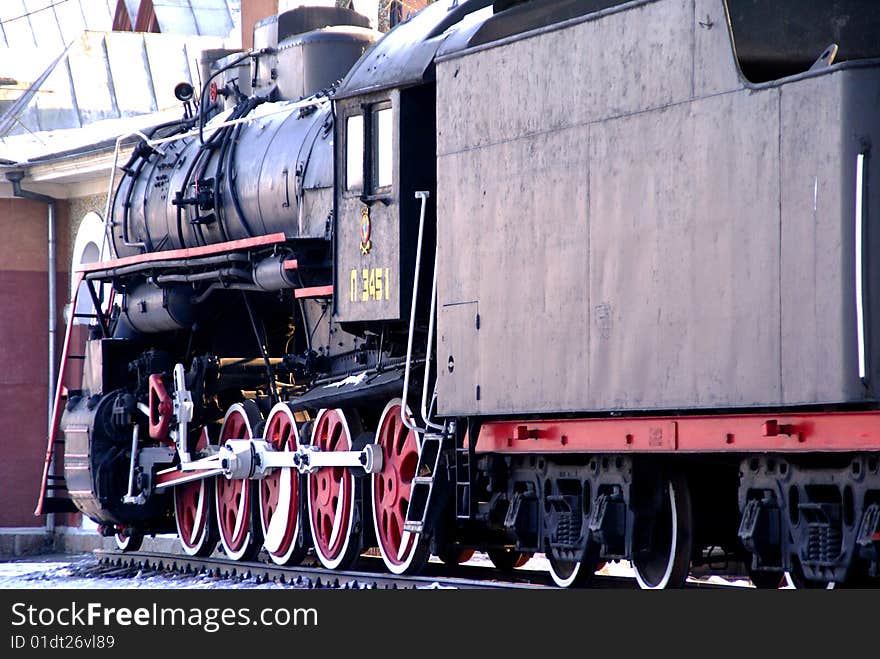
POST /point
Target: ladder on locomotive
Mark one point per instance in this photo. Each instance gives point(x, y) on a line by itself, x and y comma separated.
point(432, 468)
point(54, 496)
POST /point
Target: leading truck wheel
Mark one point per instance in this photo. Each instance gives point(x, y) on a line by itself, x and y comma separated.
point(128, 540)
point(402, 551)
point(194, 513)
point(767, 580)
point(566, 574)
point(234, 499)
point(280, 501)
point(666, 561)
point(334, 514)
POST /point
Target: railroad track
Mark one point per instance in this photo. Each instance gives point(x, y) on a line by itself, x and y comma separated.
point(369, 576)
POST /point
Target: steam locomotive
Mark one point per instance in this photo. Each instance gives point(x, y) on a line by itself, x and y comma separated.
point(584, 278)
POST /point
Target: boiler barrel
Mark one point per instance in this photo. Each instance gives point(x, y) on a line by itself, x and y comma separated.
point(251, 182)
point(272, 173)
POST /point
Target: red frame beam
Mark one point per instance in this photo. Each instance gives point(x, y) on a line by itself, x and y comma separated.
point(764, 433)
point(314, 291)
point(187, 253)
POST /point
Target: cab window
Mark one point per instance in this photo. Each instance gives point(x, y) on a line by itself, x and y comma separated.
point(354, 152)
point(383, 147)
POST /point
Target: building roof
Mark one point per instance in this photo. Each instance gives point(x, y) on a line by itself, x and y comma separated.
point(54, 145)
point(69, 86)
point(103, 76)
point(202, 17)
point(61, 67)
point(50, 25)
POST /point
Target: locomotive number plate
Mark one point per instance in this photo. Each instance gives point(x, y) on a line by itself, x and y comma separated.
point(369, 285)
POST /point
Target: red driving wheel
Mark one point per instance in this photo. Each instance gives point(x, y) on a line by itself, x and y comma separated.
point(193, 512)
point(280, 493)
point(332, 497)
point(402, 551)
point(233, 498)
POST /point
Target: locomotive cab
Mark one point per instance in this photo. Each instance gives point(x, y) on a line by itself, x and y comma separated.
point(385, 153)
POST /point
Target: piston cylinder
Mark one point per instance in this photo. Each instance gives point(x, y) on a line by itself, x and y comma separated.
point(150, 309)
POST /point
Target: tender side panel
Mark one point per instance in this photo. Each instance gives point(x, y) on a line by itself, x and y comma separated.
point(527, 270)
point(625, 62)
point(644, 232)
point(817, 248)
point(684, 256)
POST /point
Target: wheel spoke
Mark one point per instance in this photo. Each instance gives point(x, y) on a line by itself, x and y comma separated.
point(193, 515)
point(400, 439)
point(279, 493)
point(331, 495)
point(240, 538)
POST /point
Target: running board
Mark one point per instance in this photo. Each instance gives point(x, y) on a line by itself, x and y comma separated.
point(423, 483)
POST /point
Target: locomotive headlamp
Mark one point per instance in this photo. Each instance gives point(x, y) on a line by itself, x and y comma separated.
point(184, 92)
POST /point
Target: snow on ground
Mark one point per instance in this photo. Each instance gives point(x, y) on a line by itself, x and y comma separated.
point(613, 569)
point(83, 571)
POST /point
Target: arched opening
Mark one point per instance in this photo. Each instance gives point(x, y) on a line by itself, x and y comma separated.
point(87, 248)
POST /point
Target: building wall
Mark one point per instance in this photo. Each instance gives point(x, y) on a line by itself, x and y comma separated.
point(251, 12)
point(23, 354)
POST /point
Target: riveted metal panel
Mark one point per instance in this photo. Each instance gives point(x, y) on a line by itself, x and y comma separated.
point(821, 360)
point(684, 276)
point(623, 62)
point(523, 252)
point(861, 134)
point(715, 65)
point(816, 242)
point(689, 288)
point(458, 358)
point(706, 230)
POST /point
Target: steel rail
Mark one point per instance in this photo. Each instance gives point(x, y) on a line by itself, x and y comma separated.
point(436, 575)
point(314, 577)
